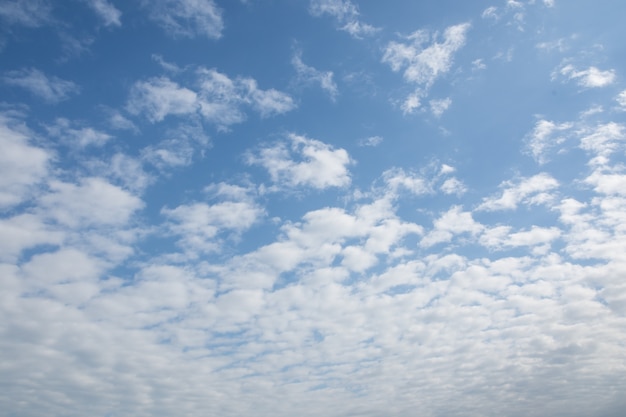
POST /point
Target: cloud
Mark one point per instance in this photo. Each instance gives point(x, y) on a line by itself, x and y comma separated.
point(621, 99)
point(346, 14)
point(187, 18)
point(589, 78)
point(371, 141)
point(304, 162)
point(545, 136)
point(160, 97)
point(217, 98)
point(52, 90)
point(92, 201)
point(199, 224)
point(307, 75)
point(30, 13)
point(22, 165)
point(530, 190)
point(423, 65)
point(451, 223)
point(106, 11)
point(77, 137)
point(438, 107)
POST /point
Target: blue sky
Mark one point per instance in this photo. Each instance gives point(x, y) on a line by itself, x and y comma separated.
point(312, 207)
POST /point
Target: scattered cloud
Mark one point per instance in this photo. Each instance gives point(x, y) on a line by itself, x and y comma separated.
point(423, 65)
point(109, 14)
point(307, 75)
point(545, 136)
point(51, 89)
point(592, 77)
point(346, 14)
point(219, 99)
point(438, 107)
point(30, 13)
point(529, 191)
point(77, 137)
point(187, 18)
point(371, 141)
point(621, 99)
point(304, 162)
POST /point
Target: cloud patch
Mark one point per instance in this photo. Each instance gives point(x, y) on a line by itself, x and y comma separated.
point(51, 89)
point(304, 162)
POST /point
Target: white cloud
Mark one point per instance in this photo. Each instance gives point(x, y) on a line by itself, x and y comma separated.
point(438, 107)
point(51, 89)
point(91, 202)
point(199, 224)
point(398, 181)
point(451, 223)
point(544, 137)
point(31, 13)
point(371, 141)
point(160, 97)
point(453, 186)
point(22, 165)
point(592, 77)
point(218, 99)
point(621, 99)
point(603, 139)
point(304, 162)
point(178, 147)
point(187, 18)
point(531, 190)
point(346, 14)
point(490, 12)
point(307, 74)
point(423, 65)
point(77, 137)
point(502, 237)
point(268, 102)
point(106, 11)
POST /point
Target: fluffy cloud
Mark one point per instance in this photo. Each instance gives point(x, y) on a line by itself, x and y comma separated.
point(531, 190)
point(91, 202)
point(592, 77)
point(423, 65)
point(199, 224)
point(187, 18)
point(51, 89)
point(304, 162)
point(22, 165)
point(160, 97)
point(219, 99)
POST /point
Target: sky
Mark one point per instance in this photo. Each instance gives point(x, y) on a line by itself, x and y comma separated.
point(312, 208)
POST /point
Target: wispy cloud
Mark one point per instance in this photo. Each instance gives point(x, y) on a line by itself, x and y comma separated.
point(307, 75)
point(109, 14)
point(187, 18)
point(51, 89)
point(31, 13)
point(346, 14)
